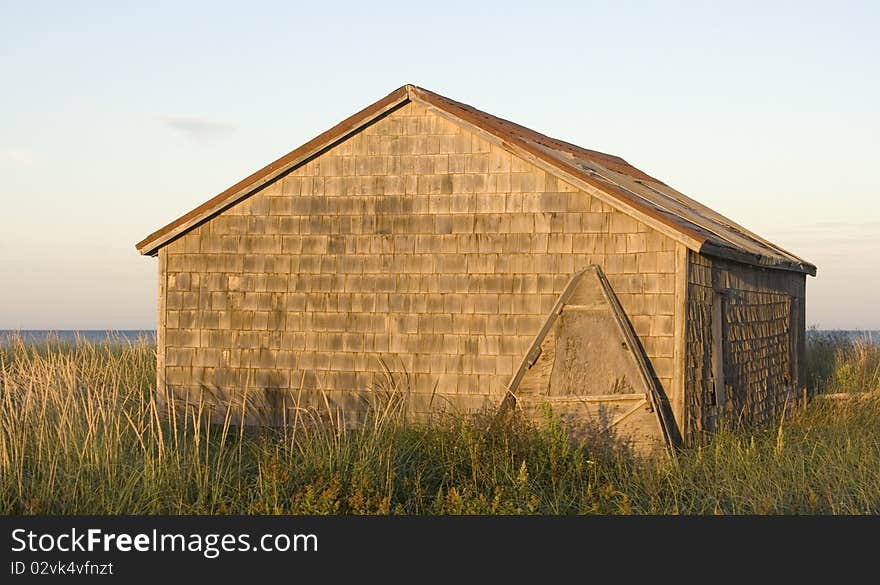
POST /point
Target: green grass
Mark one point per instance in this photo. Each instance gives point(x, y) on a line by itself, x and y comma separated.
point(80, 434)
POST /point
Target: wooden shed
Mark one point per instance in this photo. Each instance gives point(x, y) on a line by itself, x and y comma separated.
point(473, 259)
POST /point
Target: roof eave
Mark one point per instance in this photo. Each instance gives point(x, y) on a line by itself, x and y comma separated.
point(150, 245)
point(712, 249)
point(618, 198)
point(619, 194)
point(616, 194)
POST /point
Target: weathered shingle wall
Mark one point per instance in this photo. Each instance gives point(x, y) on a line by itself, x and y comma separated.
point(761, 341)
point(699, 381)
point(414, 246)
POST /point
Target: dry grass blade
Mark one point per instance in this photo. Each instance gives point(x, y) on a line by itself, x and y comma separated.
point(81, 432)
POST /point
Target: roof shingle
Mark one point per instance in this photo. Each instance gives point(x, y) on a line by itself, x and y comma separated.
point(619, 183)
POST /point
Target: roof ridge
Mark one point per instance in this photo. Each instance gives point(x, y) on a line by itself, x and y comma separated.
point(569, 146)
point(698, 228)
point(607, 175)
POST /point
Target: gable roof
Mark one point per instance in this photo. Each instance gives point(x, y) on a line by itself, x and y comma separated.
point(608, 177)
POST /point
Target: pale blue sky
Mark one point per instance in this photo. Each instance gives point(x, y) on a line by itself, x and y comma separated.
point(116, 117)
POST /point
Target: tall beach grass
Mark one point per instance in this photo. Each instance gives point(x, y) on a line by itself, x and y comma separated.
point(80, 433)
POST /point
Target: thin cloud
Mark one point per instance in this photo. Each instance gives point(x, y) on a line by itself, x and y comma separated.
point(16, 155)
point(833, 230)
point(198, 129)
point(845, 225)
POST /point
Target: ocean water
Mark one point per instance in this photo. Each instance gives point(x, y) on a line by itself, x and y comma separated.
point(72, 335)
point(867, 335)
point(133, 335)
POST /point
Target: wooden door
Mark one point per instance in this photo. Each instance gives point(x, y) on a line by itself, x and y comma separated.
point(587, 366)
